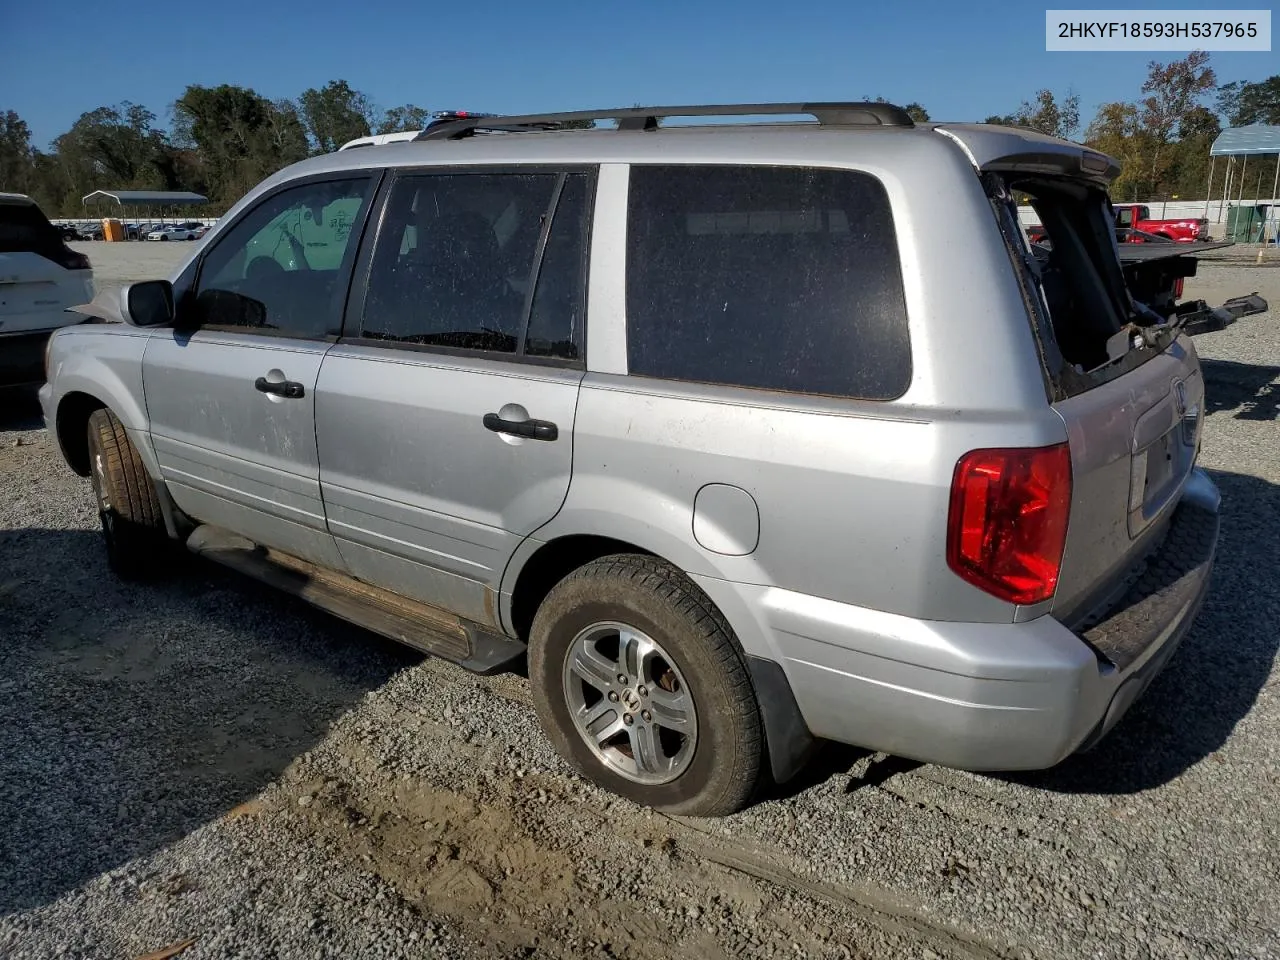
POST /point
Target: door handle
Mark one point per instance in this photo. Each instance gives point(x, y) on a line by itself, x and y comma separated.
point(289, 389)
point(531, 429)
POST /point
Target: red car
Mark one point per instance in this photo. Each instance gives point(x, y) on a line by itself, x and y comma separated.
point(1137, 216)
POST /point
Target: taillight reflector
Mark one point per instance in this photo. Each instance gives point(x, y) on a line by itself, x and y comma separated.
point(1008, 520)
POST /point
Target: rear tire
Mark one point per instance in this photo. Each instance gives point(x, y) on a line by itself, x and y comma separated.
point(676, 727)
point(132, 521)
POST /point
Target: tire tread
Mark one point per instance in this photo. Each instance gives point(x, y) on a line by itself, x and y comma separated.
point(132, 495)
point(668, 584)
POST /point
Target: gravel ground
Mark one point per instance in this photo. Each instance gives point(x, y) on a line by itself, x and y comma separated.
point(201, 759)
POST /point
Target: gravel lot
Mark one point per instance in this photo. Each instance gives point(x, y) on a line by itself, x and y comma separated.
point(203, 759)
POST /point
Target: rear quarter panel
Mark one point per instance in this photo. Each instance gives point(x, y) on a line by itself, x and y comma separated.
point(852, 495)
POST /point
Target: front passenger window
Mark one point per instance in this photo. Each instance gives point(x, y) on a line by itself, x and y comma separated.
point(277, 270)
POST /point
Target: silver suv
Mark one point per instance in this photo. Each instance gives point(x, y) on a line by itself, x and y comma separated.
point(749, 434)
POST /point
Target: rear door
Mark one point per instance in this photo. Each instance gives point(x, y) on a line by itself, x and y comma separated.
point(1131, 404)
point(445, 415)
point(40, 277)
point(230, 391)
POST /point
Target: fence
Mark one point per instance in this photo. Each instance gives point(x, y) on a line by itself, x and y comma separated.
point(1215, 211)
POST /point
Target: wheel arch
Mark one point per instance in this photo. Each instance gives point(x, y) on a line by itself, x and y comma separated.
point(538, 565)
point(71, 424)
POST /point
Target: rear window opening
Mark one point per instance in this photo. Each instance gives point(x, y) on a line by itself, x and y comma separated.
point(25, 229)
point(1073, 281)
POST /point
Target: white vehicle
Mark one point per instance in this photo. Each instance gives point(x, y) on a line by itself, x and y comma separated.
point(40, 278)
point(437, 118)
point(377, 139)
point(173, 232)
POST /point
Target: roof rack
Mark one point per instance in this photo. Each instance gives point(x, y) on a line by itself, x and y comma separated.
point(646, 118)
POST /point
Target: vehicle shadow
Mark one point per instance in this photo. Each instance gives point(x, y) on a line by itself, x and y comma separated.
point(20, 409)
point(1190, 709)
point(1249, 390)
point(133, 714)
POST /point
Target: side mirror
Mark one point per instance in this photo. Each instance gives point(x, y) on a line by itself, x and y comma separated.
point(149, 303)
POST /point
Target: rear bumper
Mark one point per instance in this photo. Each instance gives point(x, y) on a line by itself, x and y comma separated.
point(22, 357)
point(991, 696)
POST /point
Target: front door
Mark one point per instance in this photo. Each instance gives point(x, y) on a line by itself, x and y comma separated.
point(230, 390)
point(445, 414)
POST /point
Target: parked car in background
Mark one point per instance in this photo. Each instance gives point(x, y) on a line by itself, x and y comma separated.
point(1137, 216)
point(766, 479)
point(172, 232)
point(40, 278)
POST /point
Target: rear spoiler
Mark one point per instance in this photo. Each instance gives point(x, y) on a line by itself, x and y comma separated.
point(1020, 150)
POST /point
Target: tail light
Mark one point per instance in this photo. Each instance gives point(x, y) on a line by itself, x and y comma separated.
point(1177, 288)
point(1008, 520)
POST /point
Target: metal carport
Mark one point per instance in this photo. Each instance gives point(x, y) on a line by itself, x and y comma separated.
point(1253, 140)
point(144, 201)
point(143, 198)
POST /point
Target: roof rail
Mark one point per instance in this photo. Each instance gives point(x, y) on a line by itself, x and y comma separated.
point(646, 118)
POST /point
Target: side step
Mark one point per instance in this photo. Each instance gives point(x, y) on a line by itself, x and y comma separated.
point(415, 624)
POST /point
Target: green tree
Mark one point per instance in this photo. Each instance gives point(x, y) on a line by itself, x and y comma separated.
point(17, 159)
point(233, 137)
point(1049, 116)
point(1243, 103)
point(401, 119)
point(917, 113)
point(1189, 159)
point(118, 145)
point(286, 137)
point(335, 114)
point(1118, 132)
point(1172, 91)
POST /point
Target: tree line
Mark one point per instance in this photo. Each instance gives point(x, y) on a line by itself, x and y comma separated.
point(222, 140)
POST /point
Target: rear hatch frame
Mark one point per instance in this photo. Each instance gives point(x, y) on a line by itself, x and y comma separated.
point(1133, 444)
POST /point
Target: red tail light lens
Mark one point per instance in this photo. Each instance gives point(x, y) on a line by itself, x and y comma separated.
point(1177, 289)
point(1008, 521)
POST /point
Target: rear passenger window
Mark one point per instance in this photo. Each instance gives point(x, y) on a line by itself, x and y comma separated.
point(779, 278)
point(457, 260)
point(556, 321)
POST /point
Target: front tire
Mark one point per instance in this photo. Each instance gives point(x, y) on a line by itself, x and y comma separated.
point(640, 684)
point(132, 522)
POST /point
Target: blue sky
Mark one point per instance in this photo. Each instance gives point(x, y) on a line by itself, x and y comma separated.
point(962, 60)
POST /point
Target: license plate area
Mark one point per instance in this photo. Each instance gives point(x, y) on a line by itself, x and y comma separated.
point(1157, 473)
